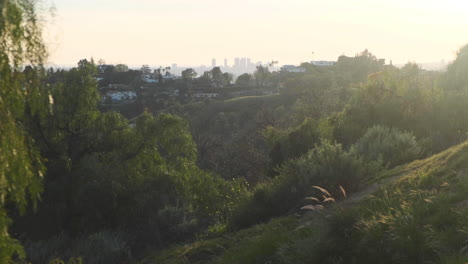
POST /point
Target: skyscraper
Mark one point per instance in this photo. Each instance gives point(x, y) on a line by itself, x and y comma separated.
point(243, 63)
point(213, 62)
point(225, 63)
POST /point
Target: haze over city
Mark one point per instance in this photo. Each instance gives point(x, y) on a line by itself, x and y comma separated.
point(186, 32)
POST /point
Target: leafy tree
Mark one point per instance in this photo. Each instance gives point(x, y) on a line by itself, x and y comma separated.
point(294, 142)
point(261, 74)
point(395, 98)
point(205, 79)
point(227, 78)
point(189, 74)
point(21, 95)
point(456, 77)
point(109, 74)
point(217, 77)
point(121, 68)
point(357, 68)
point(244, 80)
point(449, 116)
point(316, 94)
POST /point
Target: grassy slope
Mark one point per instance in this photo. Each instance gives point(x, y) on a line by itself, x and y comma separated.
point(416, 213)
point(240, 104)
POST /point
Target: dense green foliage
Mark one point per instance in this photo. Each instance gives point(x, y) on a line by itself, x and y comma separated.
point(295, 142)
point(103, 174)
point(410, 99)
point(118, 74)
point(418, 217)
point(229, 134)
point(390, 145)
point(21, 166)
point(327, 165)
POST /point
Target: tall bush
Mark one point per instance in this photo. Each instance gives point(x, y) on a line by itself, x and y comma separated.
point(391, 145)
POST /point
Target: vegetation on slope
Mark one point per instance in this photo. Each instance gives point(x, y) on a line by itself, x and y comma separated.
point(228, 133)
point(419, 214)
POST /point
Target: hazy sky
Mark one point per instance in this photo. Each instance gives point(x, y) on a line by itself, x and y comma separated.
point(191, 32)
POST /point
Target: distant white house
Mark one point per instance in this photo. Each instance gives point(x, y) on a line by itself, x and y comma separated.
point(205, 95)
point(116, 86)
point(292, 68)
point(120, 96)
point(148, 79)
point(169, 76)
point(323, 63)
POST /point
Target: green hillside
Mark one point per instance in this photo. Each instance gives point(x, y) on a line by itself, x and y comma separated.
point(415, 213)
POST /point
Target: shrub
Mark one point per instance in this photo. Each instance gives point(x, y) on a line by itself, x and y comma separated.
point(327, 165)
point(292, 143)
point(393, 146)
point(177, 223)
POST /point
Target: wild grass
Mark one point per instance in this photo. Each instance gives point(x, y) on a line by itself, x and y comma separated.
point(99, 248)
point(225, 248)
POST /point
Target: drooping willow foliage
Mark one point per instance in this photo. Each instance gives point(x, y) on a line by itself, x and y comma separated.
point(21, 167)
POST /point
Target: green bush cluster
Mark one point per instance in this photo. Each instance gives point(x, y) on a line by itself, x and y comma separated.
point(327, 165)
point(392, 146)
point(285, 145)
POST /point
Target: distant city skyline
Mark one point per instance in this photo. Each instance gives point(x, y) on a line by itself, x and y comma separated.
point(434, 65)
point(213, 62)
point(190, 32)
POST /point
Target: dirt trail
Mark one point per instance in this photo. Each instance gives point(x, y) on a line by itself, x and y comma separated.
point(359, 196)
